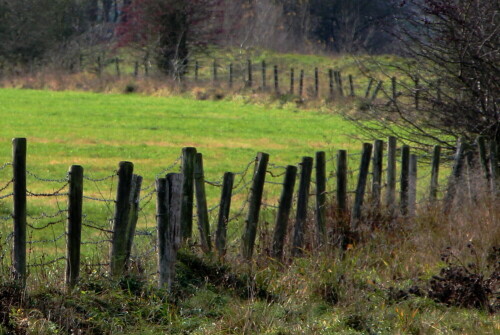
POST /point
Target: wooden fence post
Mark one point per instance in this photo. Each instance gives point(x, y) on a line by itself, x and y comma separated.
point(135, 196)
point(196, 70)
point(224, 209)
point(121, 219)
point(394, 90)
point(201, 204)
point(292, 80)
point(483, 157)
point(230, 75)
point(117, 67)
point(378, 157)
point(75, 205)
point(99, 66)
point(342, 183)
point(364, 167)
point(339, 83)
point(169, 226)
point(436, 158)
point(214, 70)
point(316, 82)
point(320, 197)
point(330, 82)
point(390, 195)
point(369, 88)
point(264, 75)
point(136, 69)
point(301, 83)
point(455, 175)
point(285, 206)
point(19, 146)
point(351, 86)
point(250, 73)
point(255, 201)
point(377, 89)
point(188, 157)
point(302, 200)
point(494, 168)
point(276, 79)
point(412, 185)
point(404, 181)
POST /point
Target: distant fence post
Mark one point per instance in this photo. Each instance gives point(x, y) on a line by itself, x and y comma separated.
point(316, 82)
point(276, 79)
point(250, 73)
point(320, 197)
point(378, 157)
point(377, 89)
point(339, 83)
point(342, 183)
point(224, 210)
point(121, 219)
point(135, 196)
point(255, 201)
point(117, 67)
point(390, 195)
point(264, 75)
point(292, 80)
point(394, 90)
point(19, 146)
point(369, 88)
point(351, 86)
point(301, 83)
point(417, 93)
point(404, 181)
point(136, 69)
point(364, 166)
point(330, 82)
point(201, 204)
point(230, 75)
point(214, 70)
point(188, 157)
point(285, 206)
point(455, 174)
point(169, 226)
point(75, 205)
point(302, 200)
point(436, 157)
point(196, 70)
point(412, 185)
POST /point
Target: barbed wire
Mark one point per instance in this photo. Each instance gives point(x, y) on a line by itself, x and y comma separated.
point(214, 183)
point(6, 196)
point(98, 199)
point(62, 180)
point(47, 216)
point(47, 263)
point(48, 241)
point(93, 225)
point(97, 180)
point(5, 165)
point(53, 194)
point(6, 185)
point(95, 242)
point(6, 218)
point(174, 164)
point(46, 225)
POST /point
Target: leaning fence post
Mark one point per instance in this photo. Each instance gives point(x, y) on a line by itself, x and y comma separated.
point(196, 69)
point(436, 157)
point(255, 201)
point(455, 175)
point(320, 197)
point(412, 185)
point(214, 69)
point(302, 200)
point(19, 187)
point(169, 226)
point(117, 67)
point(378, 156)
point(188, 157)
point(417, 93)
point(390, 195)
point(394, 90)
point(369, 88)
point(404, 181)
point(377, 89)
point(75, 204)
point(360, 188)
point(121, 219)
point(135, 196)
point(224, 209)
point(136, 69)
point(201, 204)
point(285, 206)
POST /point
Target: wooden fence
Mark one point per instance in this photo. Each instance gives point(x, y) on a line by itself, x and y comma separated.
point(177, 194)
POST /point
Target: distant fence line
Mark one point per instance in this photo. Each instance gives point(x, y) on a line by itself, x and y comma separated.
point(181, 198)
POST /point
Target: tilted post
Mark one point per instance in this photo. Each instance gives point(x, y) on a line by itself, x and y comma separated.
point(364, 167)
point(302, 200)
point(224, 210)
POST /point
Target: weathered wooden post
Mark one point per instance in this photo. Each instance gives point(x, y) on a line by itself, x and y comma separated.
point(369, 88)
point(292, 80)
point(342, 183)
point(117, 67)
point(255, 202)
point(250, 73)
point(136, 69)
point(135, 196)
point(436, 158)
point(276, 79)
point(99, 66)
point(455, 174)
point(301, 83)
point(394, 90)
point(330, 82)
point(378, 157)
point(196, 70)
point(75, 205)
point(201, 204)
point(339, 83)
point(285, 206)
point(494, 168)
point(377, 89)
point(316, 82)
point(390, 195)
point(169, 191)
point(412, 185)
point(188, 158)
point(364, 167)
point(264, 75)
point(351, 86)
point(302, 200)
point(320, 197)
point(230, 75)
point(404, 181)
point(19, 146)
point(121, 219)
point(224, 209)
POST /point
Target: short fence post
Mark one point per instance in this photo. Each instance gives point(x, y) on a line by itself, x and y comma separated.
point(330, 82)
point(342, 183)
point(230, 75)
point(455, 175)
point(292, 80)
point(135, 196)
point(117, 67)
point(99, 66)
point(404, 181)
point(136, 69)
point(255, 201)
point(412, 185)
point(302, 200)
point(320, 197)
point(169, 226)
point(285, 206)
point(436, 158)
point(361, 186)
point(75, 204)
point(316, 82)
point(276, 79)
point(250, 73)
point(394, 90)
point(377, 89)
point(369, 88)
point(224, 209)
point(301, 83)
point(201, 204)
point(378, 156)
point(214, 70)
point(19, 146)
point(339, 83)
point(196, 70)
point(264, 75)
point(188, 157)
point(121, 219)
point(351, 86)
point(390, 195)
point(483, 156)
